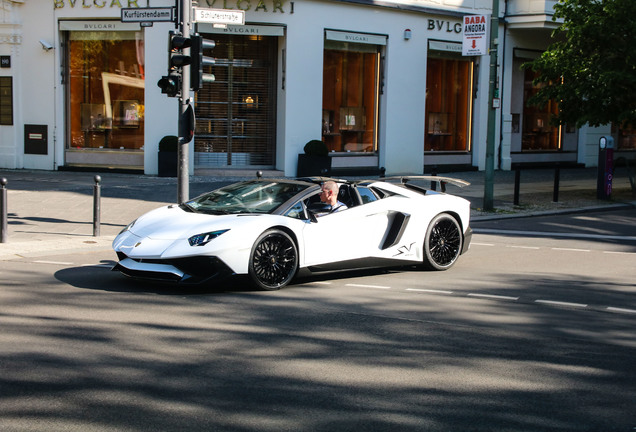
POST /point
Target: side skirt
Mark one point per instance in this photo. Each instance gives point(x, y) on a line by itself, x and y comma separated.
point(356, 264)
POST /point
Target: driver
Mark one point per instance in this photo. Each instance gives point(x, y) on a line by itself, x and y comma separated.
point(329, 195)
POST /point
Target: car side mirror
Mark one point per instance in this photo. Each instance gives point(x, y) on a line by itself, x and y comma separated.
point(318, 208)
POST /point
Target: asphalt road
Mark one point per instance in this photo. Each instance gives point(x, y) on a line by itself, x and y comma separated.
point(528, 332)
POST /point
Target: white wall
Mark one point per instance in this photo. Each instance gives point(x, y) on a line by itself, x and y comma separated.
point(39, 95)
point(403, 102)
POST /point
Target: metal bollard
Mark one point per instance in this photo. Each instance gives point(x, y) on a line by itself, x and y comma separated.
point(96, 206)
point(3, 210)
point(517, 186)
point(434, 174)
point(557, 178)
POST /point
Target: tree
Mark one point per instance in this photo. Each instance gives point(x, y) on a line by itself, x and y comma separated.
point(591, 69)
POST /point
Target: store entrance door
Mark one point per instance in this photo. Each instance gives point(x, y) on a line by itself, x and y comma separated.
point(236, 114)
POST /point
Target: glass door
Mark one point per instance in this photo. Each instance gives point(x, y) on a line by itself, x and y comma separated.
point(235, 114)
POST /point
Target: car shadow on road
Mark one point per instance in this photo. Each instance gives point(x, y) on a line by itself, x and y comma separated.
point(100, 277)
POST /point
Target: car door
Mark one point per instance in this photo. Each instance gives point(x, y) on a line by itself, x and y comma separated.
point(351, 234)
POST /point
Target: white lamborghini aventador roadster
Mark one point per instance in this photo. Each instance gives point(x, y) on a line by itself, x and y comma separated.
point(269, 229)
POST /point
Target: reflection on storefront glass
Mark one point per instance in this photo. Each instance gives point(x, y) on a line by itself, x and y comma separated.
point(350, 97)
point(106, 90)
point(538, 132)
point(448, 105)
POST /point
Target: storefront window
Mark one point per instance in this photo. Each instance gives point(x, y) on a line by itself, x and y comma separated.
point(538, 132)
point(626, 137)
point(236, 114)
point(448, 104)
point(6, 100)
point(350, 96)
point(106, 90)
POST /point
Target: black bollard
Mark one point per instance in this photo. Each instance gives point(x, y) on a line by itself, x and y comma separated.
point(434, 174)
point(97, 195)
point(557, 178)
point(517, 186)
point(3, 210)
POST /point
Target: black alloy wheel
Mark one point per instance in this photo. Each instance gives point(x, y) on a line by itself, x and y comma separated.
point(274, 260)
point(443, 243)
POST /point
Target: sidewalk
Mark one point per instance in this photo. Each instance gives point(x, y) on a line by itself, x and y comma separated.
point(51, 212)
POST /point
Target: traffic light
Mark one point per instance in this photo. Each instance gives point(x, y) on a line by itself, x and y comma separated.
point(170, 84)
point(198, 60)
point(176, 46)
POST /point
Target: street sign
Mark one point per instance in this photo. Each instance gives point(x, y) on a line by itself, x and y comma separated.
point(219, 16)
point(147, 14)
point(475, 40)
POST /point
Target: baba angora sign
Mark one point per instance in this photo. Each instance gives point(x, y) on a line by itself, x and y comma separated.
point(475, 40)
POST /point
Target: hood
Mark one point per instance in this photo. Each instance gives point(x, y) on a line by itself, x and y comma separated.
point(172, 222)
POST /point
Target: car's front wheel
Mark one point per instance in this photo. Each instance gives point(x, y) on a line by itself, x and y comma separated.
point(443, 243)
point(274, 260)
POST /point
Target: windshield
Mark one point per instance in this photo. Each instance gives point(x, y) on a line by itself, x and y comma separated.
point(246, 197)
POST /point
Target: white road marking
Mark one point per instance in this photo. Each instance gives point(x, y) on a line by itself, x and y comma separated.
point(368, 286)
point(560, 303)
point(53, 262)
point(432, 291)
point(481, 244)
point(619, 253)
point(492, 296)
point(571, 250)
point(615, 309)
point(523, 247)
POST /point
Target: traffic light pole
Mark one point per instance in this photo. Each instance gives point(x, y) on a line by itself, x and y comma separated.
point(489, 177)
point(183, 169)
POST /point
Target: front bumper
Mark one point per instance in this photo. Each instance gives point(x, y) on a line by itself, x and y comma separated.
point(189, 270)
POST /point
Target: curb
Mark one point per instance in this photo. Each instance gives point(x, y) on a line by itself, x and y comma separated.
point(36, 248)
point(573, 210)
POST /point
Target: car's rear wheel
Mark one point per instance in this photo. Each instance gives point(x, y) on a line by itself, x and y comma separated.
point(443, 242)
point(274, 260)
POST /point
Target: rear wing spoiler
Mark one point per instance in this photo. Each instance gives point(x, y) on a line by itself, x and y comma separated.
point(443, 181)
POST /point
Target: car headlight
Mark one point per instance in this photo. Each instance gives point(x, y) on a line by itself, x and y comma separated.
point(205, 238)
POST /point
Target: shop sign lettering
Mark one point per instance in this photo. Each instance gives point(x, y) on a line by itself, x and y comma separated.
point(475, 24)
point(245, 5)
point(59, 4)
point(441, 25)
point(255, 5)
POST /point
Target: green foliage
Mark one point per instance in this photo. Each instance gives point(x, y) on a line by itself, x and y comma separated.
point(316, 148)
point(591, 70)
point(168, 143)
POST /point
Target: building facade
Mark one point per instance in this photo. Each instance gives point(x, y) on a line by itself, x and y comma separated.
point(382, 84)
